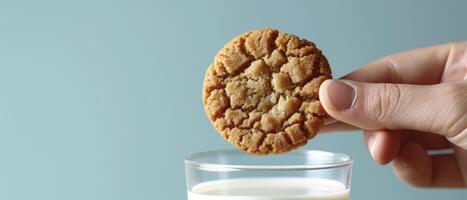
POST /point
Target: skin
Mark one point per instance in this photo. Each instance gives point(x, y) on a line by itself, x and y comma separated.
point(408, 105)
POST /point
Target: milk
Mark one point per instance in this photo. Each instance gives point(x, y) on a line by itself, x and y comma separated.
point(270, 189)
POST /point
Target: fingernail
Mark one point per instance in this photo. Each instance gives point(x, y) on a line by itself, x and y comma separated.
point(340, 94)
point(372, 146)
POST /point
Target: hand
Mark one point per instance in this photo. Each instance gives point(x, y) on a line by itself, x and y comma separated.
point(409, 105)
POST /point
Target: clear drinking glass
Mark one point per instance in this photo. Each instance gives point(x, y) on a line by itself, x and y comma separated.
point(297, 175)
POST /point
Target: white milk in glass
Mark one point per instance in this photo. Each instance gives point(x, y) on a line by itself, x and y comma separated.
point(270, 189)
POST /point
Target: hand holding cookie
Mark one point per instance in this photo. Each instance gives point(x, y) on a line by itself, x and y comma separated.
point(409, 104)
point(266, 90)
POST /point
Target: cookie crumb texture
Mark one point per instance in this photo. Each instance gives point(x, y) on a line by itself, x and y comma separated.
point(261, 92)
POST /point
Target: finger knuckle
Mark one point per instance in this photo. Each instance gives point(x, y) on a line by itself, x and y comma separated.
point(388, 101)
point(392, 69)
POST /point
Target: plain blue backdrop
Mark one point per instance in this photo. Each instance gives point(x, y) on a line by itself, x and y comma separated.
point(102, 99)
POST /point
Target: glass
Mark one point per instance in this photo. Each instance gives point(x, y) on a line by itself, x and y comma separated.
point(300, 174)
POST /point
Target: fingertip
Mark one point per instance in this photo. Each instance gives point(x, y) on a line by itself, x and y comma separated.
point(371, 140)
point(337, 95)
point(383, 145)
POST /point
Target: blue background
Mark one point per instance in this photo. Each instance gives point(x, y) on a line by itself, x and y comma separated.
point(102, 99)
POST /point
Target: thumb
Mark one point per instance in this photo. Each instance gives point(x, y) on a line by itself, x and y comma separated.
point(373, 106)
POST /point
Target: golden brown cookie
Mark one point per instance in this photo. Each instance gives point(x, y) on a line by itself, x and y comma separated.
point(261, 92)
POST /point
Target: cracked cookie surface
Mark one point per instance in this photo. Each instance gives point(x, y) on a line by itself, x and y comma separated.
point(261, 91)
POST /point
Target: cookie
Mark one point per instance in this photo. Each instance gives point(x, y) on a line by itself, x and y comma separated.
point(261, 91)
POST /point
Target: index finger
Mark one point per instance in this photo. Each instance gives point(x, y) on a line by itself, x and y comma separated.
point(420, 66)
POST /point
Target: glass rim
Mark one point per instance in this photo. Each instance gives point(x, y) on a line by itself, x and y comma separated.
point(211, 166)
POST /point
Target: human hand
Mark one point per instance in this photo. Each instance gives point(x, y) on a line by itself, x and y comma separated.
point(409, 105)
